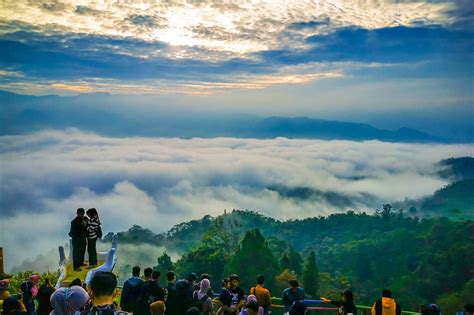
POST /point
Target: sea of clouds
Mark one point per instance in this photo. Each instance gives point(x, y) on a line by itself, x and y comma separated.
point(158, 182)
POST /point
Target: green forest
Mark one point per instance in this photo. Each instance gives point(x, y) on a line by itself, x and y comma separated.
point(421, 260)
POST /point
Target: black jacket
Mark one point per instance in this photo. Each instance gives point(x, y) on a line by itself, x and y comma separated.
point(78, 229)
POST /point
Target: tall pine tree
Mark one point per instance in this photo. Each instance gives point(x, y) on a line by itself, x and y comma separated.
point(252, 258)
point(311, 275)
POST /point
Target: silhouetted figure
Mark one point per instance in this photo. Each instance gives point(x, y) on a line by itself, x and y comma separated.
point(184, 293)
point(94, 232)
point(131, 291)
point(151, 291)
point(78, 233)
point(171, 298)
point(43, 297)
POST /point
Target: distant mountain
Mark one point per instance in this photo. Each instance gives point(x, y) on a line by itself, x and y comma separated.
point(105, 114)
point(456, 200)
point(459, 168)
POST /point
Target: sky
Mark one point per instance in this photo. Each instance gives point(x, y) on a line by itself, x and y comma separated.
point(385, 62)
point(339, 58)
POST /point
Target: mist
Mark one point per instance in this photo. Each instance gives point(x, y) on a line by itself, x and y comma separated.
point(159, 182)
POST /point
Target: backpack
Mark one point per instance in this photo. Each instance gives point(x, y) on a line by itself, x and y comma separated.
point(378, 308)
point(199, 303)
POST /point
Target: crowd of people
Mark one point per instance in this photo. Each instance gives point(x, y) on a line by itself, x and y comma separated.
point(143, 295)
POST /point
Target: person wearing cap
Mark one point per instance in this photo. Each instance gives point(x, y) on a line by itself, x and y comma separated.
point(346, 305)
point(68, 301)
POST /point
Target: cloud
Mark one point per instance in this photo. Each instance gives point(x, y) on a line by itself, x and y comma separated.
point(158, 182)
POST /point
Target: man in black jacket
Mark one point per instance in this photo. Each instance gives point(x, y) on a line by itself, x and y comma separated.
point(78, 233)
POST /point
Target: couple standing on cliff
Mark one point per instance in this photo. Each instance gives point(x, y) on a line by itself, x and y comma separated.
point(85, 230)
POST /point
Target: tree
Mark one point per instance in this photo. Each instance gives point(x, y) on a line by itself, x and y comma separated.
point(285, 262)
point(253, 257)
point(311, 275)
point(281, 280)
point(164, 263)
point(296, 261)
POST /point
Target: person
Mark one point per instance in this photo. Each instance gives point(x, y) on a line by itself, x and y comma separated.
point(68, 301)
point(78, 233)
point(170, 300)
point(43, 297)
point(4, 293)
point(292, 294)
point(103, 290)
point(12, 306)
point(94, 232)
point(386, 305)
point(74, 282)
point(131, 291)
point(232, 299)
point(29, 289)
point(184, 298)
point(198, 285)
point(432, 309)
point(248, 308)
point(346, 305)
point(469, 309)
point(262, 294)
point(150, 292)
point(252, 308)
point(201, 298)
point(157, 308)
point(298, 308)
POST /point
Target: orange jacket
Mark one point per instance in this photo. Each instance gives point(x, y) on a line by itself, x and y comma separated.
point(388, 306)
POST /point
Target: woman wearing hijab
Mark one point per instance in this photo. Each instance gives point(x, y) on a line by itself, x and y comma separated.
point(250, 299)
point(201, 298)
point(346, 306)
point(68, 301)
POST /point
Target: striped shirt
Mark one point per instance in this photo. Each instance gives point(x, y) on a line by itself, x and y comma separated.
point(93, 226)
